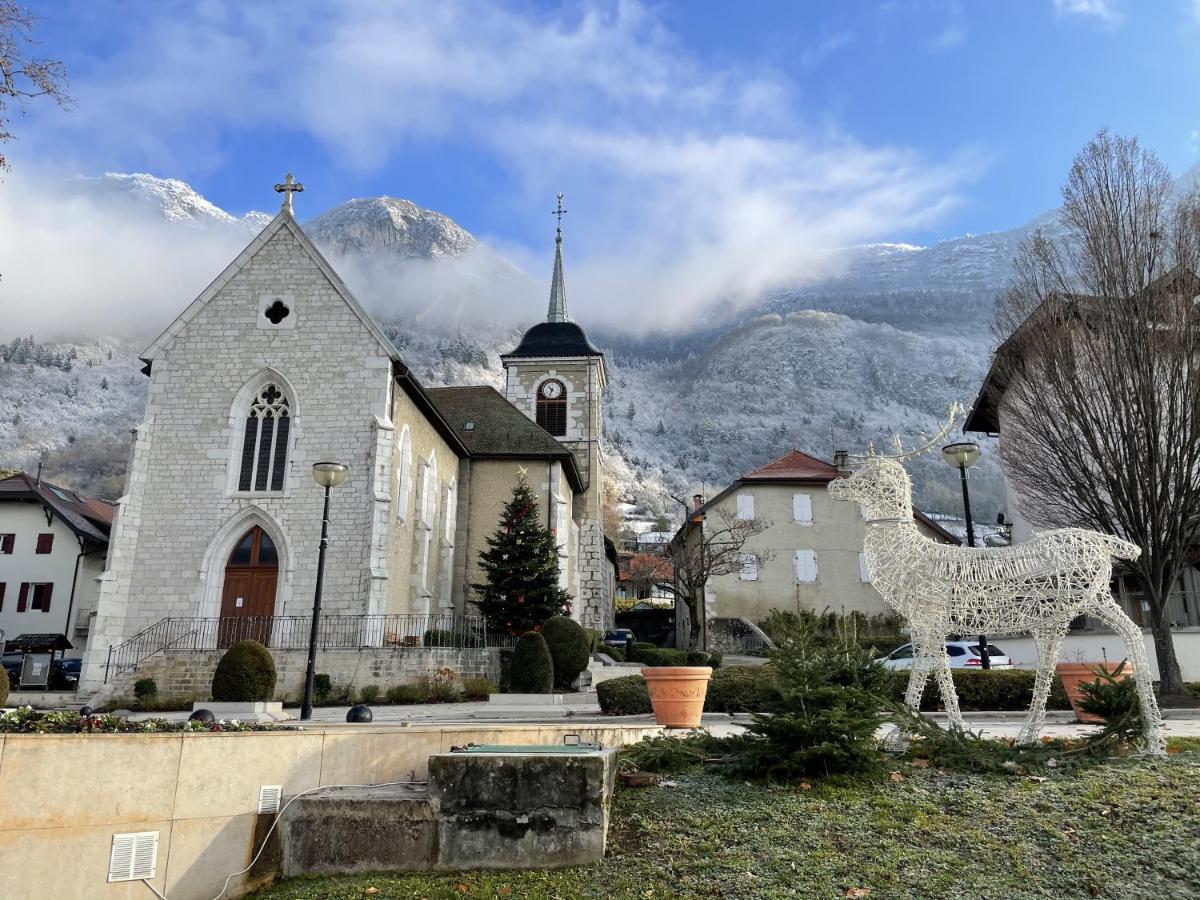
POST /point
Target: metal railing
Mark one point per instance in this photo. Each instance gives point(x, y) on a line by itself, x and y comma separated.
point(393, 632)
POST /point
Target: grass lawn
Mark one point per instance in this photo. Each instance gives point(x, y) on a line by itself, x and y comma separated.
point(1129, 828)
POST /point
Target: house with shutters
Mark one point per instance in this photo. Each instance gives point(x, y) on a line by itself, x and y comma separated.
point(808, 555)
point(52, 547)
point(275, 367)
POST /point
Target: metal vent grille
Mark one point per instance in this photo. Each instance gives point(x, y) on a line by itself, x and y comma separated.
point(268, 798)
point(134, 856)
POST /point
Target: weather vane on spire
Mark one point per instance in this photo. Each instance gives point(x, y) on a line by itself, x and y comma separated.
point(290, 186)
point(558, 213)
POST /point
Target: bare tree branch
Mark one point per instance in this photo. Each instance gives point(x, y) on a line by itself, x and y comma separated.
point(1100, 368)
point(24, 77)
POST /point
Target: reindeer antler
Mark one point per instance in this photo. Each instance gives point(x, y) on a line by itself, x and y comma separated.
point(954, 413)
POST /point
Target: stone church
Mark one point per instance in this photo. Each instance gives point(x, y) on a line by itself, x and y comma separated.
point(276, 366)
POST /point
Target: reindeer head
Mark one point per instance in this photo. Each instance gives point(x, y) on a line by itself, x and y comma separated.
point(881, 485)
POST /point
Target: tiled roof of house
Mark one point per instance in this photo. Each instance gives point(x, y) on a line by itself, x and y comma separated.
point(489, 426)
point(88, 517)
point(794, 466)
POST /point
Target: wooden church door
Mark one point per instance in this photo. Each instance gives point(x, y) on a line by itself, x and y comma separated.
point(248, 598)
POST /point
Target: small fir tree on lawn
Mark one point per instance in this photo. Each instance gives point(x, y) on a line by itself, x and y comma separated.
point(520, 568)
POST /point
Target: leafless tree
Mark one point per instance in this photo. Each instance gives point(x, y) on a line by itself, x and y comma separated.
point(708, 547)
point(1100, 369)
point(24, 76)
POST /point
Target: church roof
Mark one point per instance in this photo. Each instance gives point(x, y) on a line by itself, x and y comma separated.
point(558, 335)
point(555, 339)
point(794, 466)
point(89, 518)
point(491, 427)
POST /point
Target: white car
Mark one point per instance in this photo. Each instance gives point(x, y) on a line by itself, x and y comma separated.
point(963, 655)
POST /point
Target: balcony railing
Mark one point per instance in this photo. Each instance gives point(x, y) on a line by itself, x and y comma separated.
point(390, 632)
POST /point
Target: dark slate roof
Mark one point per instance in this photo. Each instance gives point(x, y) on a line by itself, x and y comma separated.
point(555, 339)
point(89, 518)
point(497, 428)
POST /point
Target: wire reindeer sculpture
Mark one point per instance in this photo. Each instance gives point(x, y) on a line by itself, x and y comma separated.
point(1036, 587)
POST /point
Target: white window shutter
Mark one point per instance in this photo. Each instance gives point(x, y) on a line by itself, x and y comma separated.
point(745, 507)
point(863, 575)
point(806, 566)
point(749, 567)
point(802, 509)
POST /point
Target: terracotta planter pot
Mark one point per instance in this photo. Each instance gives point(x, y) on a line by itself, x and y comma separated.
point(1075, 675)
point(677, 694)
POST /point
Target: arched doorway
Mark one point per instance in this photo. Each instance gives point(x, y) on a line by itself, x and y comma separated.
point(248, 596)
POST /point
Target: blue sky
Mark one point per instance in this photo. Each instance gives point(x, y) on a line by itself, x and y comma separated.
point(705, 147)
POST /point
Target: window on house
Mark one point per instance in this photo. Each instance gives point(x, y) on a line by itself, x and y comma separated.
point(749, 567)
point(562, 531)
point(34, 595)
point(806, 566)
point(745, 507)
point(863, 575)
point(802, 509)
point(551, 407)
point(6, 543)
point(450, 517)
point(2, 587)
point(45, 543)
point(265, 441)
point(427, 512)
point(404, 474)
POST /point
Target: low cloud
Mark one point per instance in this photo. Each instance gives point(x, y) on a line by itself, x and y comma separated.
point(1105, 12)
point(692, 189)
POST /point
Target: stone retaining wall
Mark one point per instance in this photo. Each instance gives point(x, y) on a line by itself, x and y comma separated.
point(189, 673)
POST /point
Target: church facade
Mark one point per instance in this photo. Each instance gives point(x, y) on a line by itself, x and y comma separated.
point(275, 367)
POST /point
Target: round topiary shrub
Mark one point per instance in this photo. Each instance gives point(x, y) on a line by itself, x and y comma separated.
point(245, 674)
point(570, 648)
point(532, 670)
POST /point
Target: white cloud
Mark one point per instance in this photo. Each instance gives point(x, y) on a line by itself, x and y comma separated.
point(1103, 11)
point(688, 185)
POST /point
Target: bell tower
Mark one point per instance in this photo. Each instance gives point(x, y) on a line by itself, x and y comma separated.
point(557, 378)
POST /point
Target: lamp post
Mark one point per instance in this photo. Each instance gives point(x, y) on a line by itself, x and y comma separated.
point(962, 456)
point(328, 475)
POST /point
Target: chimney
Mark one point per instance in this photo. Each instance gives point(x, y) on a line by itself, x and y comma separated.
point(697, 501)
point(841, 461)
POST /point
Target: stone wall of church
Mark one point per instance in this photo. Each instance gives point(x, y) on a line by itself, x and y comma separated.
point(182, 514)
point(419, 579)
point(190, 674)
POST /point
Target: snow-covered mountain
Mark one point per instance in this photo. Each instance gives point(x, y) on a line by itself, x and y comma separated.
point(684, 412)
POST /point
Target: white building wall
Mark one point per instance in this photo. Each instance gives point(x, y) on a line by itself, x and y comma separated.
point(26, 521)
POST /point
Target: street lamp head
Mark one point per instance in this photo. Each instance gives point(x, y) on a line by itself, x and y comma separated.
point(329, 474)
point(962, 455)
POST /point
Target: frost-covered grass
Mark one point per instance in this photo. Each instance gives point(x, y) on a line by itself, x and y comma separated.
point(1126, 829)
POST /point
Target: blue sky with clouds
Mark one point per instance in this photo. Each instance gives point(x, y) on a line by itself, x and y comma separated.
point(705, 147)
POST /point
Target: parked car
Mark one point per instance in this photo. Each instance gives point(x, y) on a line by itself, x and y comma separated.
point(963, 655)
point(64, 674)
point(618, 637)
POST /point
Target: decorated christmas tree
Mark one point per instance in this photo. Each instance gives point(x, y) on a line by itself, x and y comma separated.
point(520, 567)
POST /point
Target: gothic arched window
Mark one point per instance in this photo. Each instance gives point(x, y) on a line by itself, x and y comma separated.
point(551, 409)
point(265, 441)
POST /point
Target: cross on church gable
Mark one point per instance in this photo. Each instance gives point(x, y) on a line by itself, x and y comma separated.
point(290, 186)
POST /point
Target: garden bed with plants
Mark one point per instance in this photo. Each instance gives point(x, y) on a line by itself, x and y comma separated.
point(1124, 829)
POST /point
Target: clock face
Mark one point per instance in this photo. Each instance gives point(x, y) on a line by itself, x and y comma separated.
point(552, 390)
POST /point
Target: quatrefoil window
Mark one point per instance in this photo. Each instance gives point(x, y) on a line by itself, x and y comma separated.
point(277, 312)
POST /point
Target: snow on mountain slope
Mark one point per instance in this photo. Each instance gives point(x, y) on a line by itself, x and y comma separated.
point(374, 224)
point(173, 200)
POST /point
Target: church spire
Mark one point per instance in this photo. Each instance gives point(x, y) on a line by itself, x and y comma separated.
point(558, 286)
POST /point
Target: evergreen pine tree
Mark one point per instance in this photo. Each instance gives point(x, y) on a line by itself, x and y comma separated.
point(521, 569)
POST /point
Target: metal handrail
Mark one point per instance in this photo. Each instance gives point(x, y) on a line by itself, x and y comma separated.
point(389, 632)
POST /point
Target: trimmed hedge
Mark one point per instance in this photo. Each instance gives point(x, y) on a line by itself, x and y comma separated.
point(3, 688)
point(740, 689)
point(636, 648)
point(663, 657)
point(570, 648)
point(532, 670)
point(245, 674)
point(437, 637)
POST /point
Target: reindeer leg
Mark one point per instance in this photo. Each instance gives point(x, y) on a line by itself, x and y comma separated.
point(946, 688)
point(1047, 639)
point(1107, 611)
point(917, 677)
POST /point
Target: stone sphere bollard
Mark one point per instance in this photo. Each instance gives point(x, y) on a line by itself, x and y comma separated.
point(202, 715)
point(360, 714)
point(86, 711)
